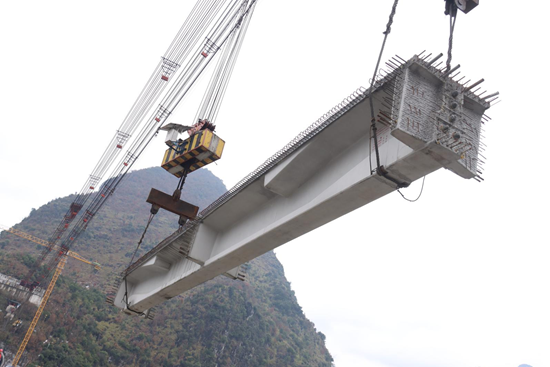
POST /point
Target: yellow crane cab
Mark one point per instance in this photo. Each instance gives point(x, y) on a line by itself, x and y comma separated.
point(202, 147)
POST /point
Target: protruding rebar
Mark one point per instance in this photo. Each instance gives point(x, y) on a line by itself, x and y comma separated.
point(474, 85)
point(451, 71)
point(491, 95)
point(435, 59)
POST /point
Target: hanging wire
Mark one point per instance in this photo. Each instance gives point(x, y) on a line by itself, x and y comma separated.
point(419, 195)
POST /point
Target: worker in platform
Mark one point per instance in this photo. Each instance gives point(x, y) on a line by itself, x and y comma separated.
point(196, 127)
point(201, 124)
point(2, 357)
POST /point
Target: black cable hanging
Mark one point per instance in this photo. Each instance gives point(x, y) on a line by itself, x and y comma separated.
point(154, 210)
point(451, 10)
point(373, 119)
point(373, 129)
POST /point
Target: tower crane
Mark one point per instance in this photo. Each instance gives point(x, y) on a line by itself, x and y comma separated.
point(60, 266)
point(38, 313)
point(45, 243)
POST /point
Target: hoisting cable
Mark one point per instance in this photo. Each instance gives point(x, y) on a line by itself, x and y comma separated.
point(154, 210)
point(151, 216)
point(177, 192)
point(451, 10)
point(217, 86)
point(235, 50)
point(373, 130)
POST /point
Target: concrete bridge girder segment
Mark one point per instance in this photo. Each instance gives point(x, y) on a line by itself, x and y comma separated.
point(328, 176)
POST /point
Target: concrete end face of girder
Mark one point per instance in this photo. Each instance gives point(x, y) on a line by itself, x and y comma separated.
point(429, 109)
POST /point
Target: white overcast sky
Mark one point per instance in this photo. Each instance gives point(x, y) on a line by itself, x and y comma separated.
point(459, 278)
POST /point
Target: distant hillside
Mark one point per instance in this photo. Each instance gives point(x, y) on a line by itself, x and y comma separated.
point(221, 323)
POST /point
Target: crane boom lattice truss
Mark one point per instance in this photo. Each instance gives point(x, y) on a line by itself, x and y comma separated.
point(23, 345)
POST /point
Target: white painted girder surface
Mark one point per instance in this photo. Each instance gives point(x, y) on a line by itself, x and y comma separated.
point(327, 177)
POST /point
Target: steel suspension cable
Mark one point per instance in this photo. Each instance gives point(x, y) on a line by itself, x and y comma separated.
point(138, 110)
point(218, 83)
point(207, 97)
point(146, 135)
point(453, 11)
point(233, 59)
point(373, 128)
point(193, 35)
point(182, 33)
point(219, 39)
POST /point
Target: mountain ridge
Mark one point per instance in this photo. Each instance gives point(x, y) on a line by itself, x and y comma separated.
point(220, 323)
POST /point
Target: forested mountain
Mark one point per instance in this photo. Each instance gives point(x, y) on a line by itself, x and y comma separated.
point(221, 323)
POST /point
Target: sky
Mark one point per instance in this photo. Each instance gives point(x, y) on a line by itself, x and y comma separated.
point(458, 278)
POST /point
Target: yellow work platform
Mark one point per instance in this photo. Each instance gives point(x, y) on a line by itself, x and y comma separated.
point(197, 151)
